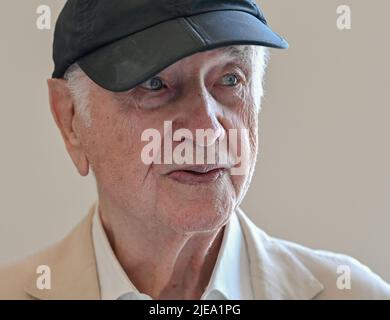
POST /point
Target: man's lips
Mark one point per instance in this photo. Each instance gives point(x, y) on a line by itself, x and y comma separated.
point(201, 174)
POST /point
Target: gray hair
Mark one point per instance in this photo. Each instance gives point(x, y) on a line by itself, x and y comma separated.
point(79, 84)
point(260, 58)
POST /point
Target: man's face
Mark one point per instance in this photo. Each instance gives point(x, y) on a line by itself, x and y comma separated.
point(214, 90)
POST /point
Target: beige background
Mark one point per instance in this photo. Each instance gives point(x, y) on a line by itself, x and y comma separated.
point(323, 179)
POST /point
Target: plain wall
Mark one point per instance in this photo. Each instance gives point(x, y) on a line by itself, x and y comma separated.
point(323, 176)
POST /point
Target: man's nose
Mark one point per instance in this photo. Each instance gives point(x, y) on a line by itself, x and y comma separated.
point(202, 112)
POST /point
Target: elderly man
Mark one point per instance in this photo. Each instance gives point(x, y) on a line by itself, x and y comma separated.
point(170, 229)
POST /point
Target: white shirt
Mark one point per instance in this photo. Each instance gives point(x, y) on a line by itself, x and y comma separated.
point(230, 279)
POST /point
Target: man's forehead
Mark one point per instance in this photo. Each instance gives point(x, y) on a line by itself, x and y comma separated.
point(238, 51)
point(242, 53)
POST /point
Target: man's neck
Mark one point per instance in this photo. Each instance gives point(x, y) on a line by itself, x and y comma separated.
point(162, 263)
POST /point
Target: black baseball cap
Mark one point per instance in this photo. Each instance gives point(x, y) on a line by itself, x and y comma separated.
point(120, 44)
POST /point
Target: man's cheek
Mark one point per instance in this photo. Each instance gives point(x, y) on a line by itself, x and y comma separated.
point(242, 150)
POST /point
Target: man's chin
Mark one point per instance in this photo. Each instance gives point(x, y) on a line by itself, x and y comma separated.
point(197, 220)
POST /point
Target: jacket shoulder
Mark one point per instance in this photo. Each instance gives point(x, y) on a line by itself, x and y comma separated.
point(14, 276)
point(342, 276)
point(61, 257)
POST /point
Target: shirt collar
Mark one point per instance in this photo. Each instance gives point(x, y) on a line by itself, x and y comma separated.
point(230, 278)
point(113, 280)
point(231, 274)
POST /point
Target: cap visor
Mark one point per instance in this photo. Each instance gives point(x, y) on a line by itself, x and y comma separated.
point(130, 61)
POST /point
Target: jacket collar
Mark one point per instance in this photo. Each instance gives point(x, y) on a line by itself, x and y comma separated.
point(276, 272)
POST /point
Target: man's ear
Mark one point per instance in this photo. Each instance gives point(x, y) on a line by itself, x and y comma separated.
point(62, 109)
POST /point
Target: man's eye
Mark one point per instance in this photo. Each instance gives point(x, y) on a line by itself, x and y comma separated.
point(231, 80)
point(153, 84)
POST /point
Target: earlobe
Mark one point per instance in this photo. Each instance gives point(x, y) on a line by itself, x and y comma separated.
point(83, 165)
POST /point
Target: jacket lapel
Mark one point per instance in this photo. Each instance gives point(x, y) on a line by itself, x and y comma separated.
point(276, 273)
point(73, 267)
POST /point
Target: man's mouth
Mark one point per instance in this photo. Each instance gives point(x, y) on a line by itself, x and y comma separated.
point(202, 174)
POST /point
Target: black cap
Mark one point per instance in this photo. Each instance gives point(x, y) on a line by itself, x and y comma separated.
point(122, 43)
